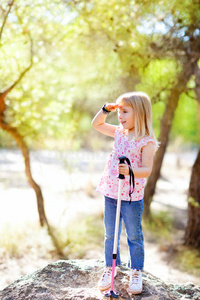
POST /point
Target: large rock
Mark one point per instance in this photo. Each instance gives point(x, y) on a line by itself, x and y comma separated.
point(77, 279)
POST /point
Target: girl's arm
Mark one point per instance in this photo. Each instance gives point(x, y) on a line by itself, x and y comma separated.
point(99, 121)
point(147, 163)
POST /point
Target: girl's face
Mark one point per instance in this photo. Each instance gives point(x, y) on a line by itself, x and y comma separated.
point(126, 117)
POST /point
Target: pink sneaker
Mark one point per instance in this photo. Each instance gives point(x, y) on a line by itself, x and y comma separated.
point(135, 284)
point(105, 281)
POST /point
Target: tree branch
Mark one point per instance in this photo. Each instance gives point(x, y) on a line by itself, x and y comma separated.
point(6, 90)
point(6, 16)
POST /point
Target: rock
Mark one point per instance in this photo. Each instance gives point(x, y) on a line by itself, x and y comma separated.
point(77, 279)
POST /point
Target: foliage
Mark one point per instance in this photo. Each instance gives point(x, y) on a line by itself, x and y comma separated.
point(37, 106)
point(185, 122)
point(193, 202)
point(87, 53)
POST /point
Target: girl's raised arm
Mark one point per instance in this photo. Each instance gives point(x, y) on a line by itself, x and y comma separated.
point(99, 121)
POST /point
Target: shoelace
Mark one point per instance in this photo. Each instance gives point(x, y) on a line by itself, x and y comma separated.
point(134, 277)
point(107, 273)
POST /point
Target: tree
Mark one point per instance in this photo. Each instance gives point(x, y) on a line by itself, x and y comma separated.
point(192, 233)
point(15, 133)
point(184, 47)
point(165, 127)
point(13, 130)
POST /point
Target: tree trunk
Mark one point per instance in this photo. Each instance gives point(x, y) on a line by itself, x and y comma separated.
point(40, 201)
point(165, 127)
point(21, 144)
point(192, 234)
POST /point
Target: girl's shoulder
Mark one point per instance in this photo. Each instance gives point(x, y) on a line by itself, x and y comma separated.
point(144, 141)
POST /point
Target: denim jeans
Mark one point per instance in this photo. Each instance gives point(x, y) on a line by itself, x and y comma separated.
point(132, 216)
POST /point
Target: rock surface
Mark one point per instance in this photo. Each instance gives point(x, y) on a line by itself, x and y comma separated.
point(77, 279)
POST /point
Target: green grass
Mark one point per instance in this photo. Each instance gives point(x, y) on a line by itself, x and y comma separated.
point(188, 260)
point(82, 236)
point(159, 226)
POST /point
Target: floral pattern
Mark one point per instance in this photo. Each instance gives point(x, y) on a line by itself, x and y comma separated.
point(108, 185)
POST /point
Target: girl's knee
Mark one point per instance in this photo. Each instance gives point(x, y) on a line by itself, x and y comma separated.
point(109, 237)
point(136, 238)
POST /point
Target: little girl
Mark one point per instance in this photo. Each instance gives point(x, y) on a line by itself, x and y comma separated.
point(133, 138)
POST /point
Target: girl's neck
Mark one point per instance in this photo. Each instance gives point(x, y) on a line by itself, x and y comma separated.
point(130, 133)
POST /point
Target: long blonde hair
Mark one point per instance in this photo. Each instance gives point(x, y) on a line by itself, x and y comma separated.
point(141, 104)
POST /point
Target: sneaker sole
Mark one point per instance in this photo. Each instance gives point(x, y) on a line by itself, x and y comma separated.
point(134, 293)
point(105, 288)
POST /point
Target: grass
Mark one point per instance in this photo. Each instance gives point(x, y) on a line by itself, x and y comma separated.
point(188, 260)
point(82, 236)
point(75, 241)
point(88, 234)
point(160, 230)
point(159, 227)
point(18, 239)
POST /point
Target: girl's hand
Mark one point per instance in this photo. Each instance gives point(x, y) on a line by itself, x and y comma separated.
point(112, 106)
point(123, 169)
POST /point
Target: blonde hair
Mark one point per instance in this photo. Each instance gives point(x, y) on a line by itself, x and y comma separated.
point(141, 104)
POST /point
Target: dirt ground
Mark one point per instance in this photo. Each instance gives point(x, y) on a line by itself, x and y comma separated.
point(68, 182)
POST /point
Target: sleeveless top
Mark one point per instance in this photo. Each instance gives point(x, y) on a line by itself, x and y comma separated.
point(108, 185)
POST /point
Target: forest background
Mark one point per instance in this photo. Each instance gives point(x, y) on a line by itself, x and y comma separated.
point(60, 62)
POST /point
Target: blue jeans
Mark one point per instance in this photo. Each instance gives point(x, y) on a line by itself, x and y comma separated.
point(132, 216)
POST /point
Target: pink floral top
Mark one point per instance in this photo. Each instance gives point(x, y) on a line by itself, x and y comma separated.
point(108, 185)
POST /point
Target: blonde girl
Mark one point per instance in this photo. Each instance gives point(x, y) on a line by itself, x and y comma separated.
point(133, 138)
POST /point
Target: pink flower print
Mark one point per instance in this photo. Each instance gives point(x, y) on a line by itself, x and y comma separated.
point(106, 178)
point(125, 183)
point(108, 165)
point(114, 172)
point(126, 144)
point(119, 141)
point(115, 188)
point(133, 156)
